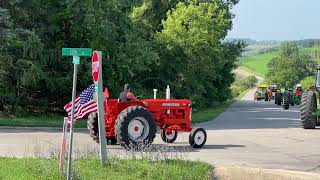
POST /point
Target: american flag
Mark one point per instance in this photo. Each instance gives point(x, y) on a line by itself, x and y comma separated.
point(84, 104)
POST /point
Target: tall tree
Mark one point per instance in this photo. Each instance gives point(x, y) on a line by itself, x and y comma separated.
point(193, 51)
point(148, 43)
point(290, 67)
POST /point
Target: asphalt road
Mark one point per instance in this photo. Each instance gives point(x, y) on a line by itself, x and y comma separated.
point(254, 134)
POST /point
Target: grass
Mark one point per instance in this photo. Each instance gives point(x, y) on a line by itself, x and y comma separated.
point(210, 113)
point(214, 111)
point(258, 63)
point(37, 168)
point(37, 121)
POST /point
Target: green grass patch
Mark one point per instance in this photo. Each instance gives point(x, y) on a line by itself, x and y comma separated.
point(37, 121)
point(29, 168)
point(210, 113)
point(258, 63)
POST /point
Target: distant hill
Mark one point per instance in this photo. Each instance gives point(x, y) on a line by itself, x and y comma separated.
point(258, 62)
point(252, 41)
point(255, 47)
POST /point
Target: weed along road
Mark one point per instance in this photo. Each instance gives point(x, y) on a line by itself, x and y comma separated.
point(250, 133)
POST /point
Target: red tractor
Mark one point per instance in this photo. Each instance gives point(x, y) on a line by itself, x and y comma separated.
point(134, 123)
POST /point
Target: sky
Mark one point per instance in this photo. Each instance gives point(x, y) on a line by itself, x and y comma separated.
point(276, 19)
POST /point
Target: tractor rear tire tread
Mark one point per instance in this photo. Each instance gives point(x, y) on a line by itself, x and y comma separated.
point(92, 125)
point(286, 101)
point(307, 107)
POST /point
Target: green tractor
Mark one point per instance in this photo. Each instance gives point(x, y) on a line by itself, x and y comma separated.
point(287, 98)
point(291, 97)
point(297, 94)
point(261, 92)
point(309, 107)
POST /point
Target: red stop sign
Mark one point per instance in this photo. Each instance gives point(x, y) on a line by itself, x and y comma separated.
point(95, 66)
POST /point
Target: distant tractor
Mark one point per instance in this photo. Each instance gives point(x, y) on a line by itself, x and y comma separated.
point(291, 97)
point(276, 93)
point(287, 98)
point(261, 92)
point(297, 94)
point(309, 110)
point(135, 123)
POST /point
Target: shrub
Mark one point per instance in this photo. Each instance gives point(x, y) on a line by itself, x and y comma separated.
point(307, 81)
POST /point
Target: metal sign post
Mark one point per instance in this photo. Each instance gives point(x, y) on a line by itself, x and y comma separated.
point(97, 78)
point(76, 62)
point(75, 53)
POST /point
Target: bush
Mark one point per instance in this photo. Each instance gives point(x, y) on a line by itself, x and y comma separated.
point(307, 81)
point(235, 91)
point(249, 82)
point(242, 85)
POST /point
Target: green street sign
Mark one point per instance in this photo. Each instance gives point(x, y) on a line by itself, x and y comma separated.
point(76, 60)
point(77, 52)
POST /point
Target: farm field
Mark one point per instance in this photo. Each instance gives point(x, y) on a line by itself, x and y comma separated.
point(258, 63)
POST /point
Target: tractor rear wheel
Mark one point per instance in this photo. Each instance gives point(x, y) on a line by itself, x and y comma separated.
point(168, 136)
point(307, 108)
point(279, 99)
point(286, 100)
point(135, 126)
point(197, 137)
point(93, 127)
point(276, 98)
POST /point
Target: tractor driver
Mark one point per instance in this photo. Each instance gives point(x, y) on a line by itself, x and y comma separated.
point(127, 95)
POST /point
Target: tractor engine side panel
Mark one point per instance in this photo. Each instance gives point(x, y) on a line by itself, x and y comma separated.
point(172, 114)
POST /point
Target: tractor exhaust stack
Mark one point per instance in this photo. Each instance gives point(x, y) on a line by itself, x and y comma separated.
point(155, 93)
point(168, 92)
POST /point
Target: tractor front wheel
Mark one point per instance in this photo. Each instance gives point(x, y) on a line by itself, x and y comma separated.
point(135, 126)
point(307, 108)
point(168, 136)
point(197, 137)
